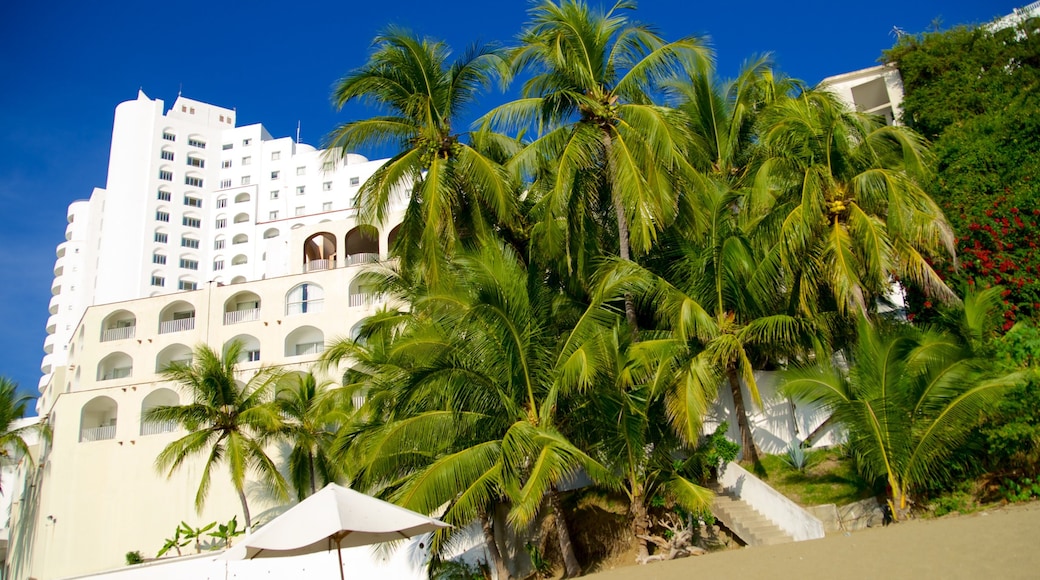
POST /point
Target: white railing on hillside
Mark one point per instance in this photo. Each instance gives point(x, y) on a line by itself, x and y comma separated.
point(357, 259)
point(238, 316)
point(118, 333)
point(791, 518)
point(98, 433)
point(179, 325)
point(156, 427)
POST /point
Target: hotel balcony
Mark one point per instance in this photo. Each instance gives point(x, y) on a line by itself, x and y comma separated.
point(239, 316)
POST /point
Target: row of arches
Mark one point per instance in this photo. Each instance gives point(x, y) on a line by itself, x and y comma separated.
point(302, 341)
point(360, 245)
point(99, 417)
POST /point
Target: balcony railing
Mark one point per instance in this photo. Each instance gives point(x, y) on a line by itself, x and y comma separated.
point(317, 265)
point(308, 307)
point(156, 427)
point(364, 299)
point(97, 433)
point(241, 316)
point(358, 259)
point(117, 373)
point(179, 325)
point(118, 333)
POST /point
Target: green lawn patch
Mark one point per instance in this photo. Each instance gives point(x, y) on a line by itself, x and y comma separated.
point(827, 478)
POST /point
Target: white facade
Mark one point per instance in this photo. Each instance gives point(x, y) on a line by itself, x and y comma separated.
point(876, 90)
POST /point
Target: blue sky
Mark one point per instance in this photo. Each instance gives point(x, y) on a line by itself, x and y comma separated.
point(65, 65)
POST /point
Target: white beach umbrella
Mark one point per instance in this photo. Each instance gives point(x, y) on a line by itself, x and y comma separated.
point(333, 518)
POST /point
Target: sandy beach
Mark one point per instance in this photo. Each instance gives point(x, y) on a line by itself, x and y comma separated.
point(994, 544)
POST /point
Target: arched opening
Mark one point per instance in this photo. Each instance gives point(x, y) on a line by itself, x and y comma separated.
point(319, 252)
point(362, 245)
point(304, 340)
point(242, 307)
point(359, 294)
point(271, 233)
point(391, 238)
point(161, 397)
point(178, 353)
point(177, 317)
point(239, 260)
point(250, 348)
point(117, 365)
point(238, 280)
point(241, 218)
point(242, 197)
point(239, 239)
point(305, 298)
point(119, 325)
point(97, 420)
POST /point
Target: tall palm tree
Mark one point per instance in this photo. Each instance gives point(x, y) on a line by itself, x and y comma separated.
point(853, 208)
point(310, 417)
point(605, 155)
point(226, 422)
point(908, 400)
point(12, 408)
point(456, 190)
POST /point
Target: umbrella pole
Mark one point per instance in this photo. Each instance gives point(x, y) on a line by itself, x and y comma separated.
point(339, 553)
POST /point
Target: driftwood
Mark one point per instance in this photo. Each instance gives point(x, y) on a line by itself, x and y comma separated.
point(679, 545)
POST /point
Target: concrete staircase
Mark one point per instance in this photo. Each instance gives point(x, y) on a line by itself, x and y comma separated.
point(749, 525)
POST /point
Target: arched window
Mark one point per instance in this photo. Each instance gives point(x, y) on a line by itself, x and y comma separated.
point(242, 197)
point(178, 316)
point(271, 233)
point(241, 218)
point(391, 238)
point(359, 294)
point(240, 239)
point(242, 307)
point(304, 340)
point(239, 260)
point(117, 365)
point(250, 348)
point(119, 325)
point(362, 245)
point(305, 298)
point(178, 353)
point(161, 397)
point(97, 420)
point(319, 252)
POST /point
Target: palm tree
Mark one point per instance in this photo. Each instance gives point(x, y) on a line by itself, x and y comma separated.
point(605, 156)
point(908, 400)
point(853, 209)
point(457, 192)
point(310, 416)
point(12, 408)
point(226, 422)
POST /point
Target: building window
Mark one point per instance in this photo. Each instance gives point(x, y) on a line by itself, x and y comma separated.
point(165, 175)
point(218, 244)
point(162, 216)
point(245, 180)
point(225, 183)
point(274, 194)
point(274, 174)
point(196, 143)
point(247, 160)
point(185, 285)
point(253, 355)
point(192, 201)
point(196, 162)
point(218, 265)
point(169, 136)
point(299, 210)
point(273, 215)
point(247, 142)
point(167, 155)
point(221, 223)
point(193, 181)
point(355, 181)
point(158, 259)
point(327, 206)
point(276, 155)
point(327, 186)
point(327, 166)
point(226, 146)
point(301, 171)
point(191, 222)
point(160, 238)
point(164, 195)
point(158, 281)
point(226, 163)
point(222, 202)
point(189, 243)
point(189, 264)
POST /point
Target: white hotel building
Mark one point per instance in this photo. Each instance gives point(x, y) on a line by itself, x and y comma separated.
point(206, 232)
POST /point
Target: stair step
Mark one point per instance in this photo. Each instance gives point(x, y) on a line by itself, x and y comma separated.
point(747, 523)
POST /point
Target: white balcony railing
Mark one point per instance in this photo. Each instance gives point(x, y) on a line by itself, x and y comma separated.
point(364, 299)
point(156, 427)
point(97, 433)
point(238, 316)
point(358, 259)
point(179, 325)
point(118, 333)
point(117, 373)
point(317, 265)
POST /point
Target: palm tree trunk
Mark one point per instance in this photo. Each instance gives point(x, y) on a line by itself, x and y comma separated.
point(640, 526)
point(622, 226)
point(747, 440)
point(563, 537)
point(245, 510)
point(501, 571)
point(310, 468)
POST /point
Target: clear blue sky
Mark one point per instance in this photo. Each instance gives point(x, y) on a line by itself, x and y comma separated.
point(65, 65)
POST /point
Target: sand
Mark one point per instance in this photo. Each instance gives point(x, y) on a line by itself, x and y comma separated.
point(994, 544)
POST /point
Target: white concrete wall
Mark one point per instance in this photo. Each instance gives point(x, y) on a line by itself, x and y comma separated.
point(791, 518)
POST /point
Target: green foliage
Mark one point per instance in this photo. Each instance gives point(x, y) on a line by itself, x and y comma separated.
point(1023, 489)
point(195, 534)
point(713, 450)
point(133, 557)
point(1011, 433)
point(456, 570)
point(796, 456)
point(174, 542)
point(226, 532)
point(830, 477)
point(956, 501)
point(542, 566)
